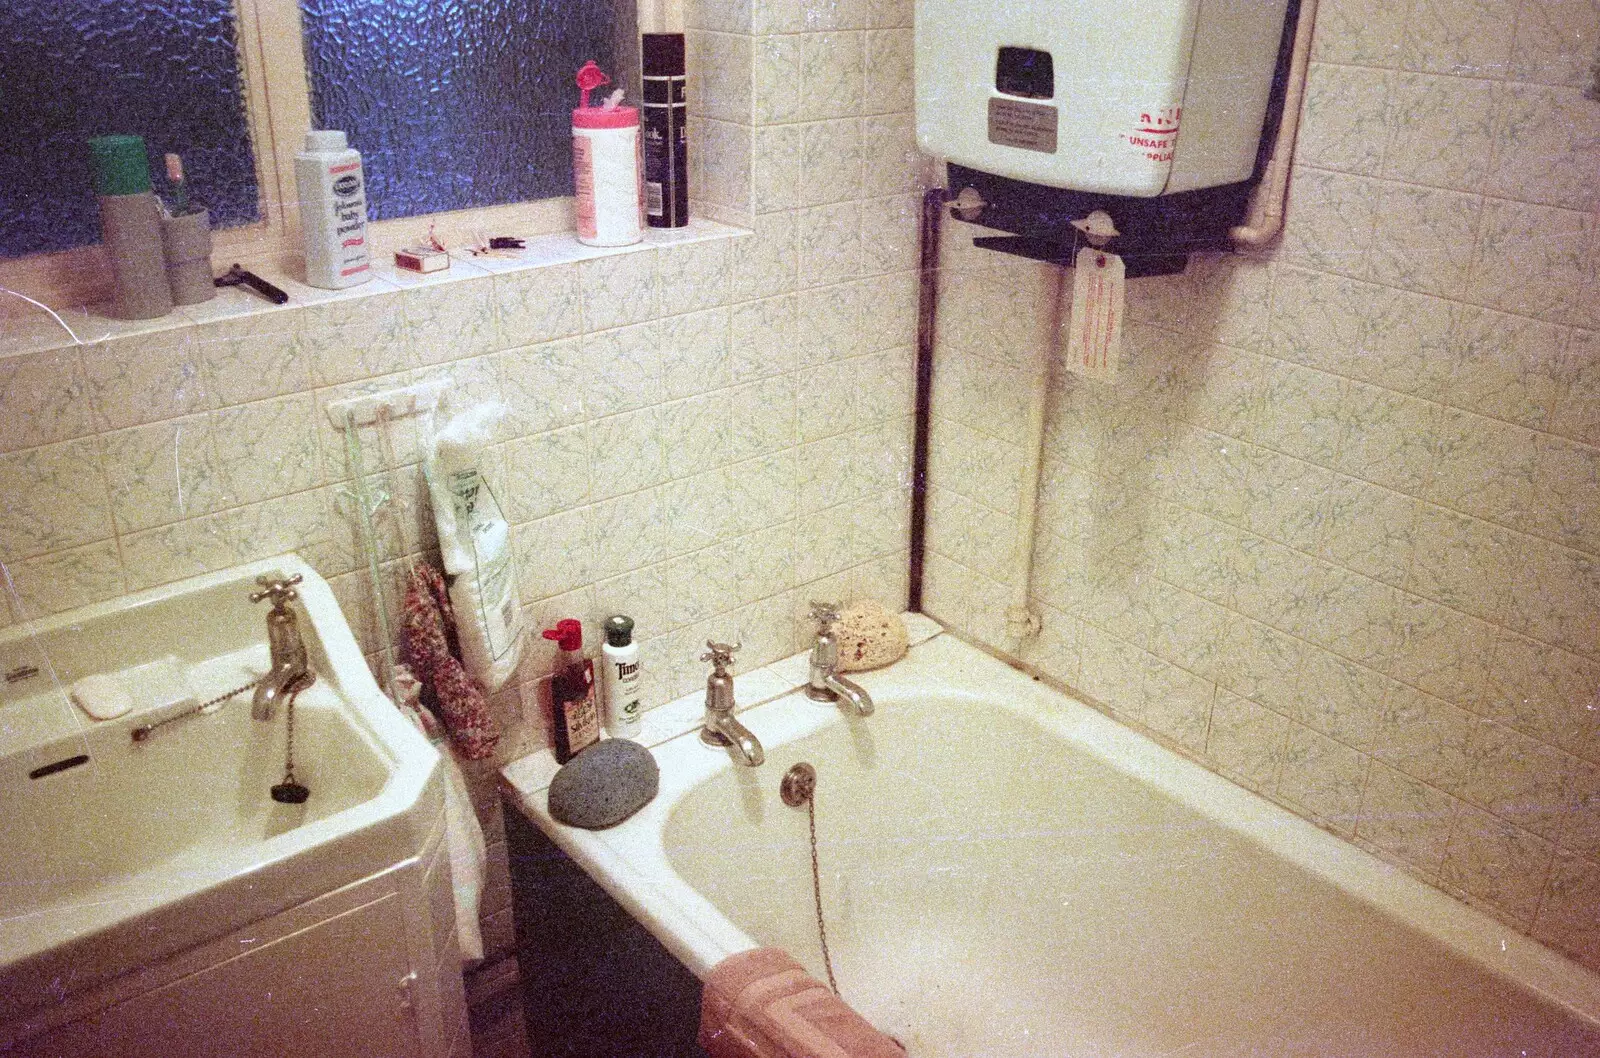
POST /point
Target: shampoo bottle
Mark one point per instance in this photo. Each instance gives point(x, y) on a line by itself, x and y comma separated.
point(621, 679)
point(333, 211)
point(575, 720)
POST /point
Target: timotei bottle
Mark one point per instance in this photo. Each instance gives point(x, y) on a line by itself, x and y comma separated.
point(621, 679)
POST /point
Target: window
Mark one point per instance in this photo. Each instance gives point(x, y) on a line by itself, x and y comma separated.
point(79, 68)
point(453, 105)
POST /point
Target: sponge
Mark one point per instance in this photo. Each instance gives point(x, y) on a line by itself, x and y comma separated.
point(870, 636)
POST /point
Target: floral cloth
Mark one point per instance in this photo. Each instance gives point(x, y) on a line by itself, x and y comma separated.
point(428, 633)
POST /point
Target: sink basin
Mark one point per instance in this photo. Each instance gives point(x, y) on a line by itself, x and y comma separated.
point(115, 851)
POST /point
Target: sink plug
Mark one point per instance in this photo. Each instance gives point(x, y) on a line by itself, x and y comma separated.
point(289, 791)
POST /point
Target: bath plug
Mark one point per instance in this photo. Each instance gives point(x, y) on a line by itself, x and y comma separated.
point(870, 636)
point(604, 784)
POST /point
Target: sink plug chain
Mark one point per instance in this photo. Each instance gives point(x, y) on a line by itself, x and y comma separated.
point(799, 787)
point(289, 791)
point(142, 733)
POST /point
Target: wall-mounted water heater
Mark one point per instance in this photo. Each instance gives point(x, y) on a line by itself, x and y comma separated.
point(1152, 110)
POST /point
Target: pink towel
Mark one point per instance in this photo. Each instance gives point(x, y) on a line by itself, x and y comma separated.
point(763, 1004)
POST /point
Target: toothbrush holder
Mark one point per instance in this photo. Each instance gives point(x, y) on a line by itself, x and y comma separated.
point(186, 241)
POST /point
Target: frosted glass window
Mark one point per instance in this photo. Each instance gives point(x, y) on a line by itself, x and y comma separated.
point(455, 104)
point(167, 70)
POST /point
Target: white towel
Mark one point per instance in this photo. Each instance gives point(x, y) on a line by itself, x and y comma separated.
point(462, 831)
point(468, 855)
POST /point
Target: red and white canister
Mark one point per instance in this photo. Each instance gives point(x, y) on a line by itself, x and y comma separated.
point(607, 166)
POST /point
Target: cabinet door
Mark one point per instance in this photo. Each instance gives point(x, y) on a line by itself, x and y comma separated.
point(338, 989)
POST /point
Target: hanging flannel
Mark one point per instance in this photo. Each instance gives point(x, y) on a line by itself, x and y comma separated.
point(428, 632)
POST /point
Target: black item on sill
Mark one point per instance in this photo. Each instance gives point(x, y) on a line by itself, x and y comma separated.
point(507, 242)
point(237, 276)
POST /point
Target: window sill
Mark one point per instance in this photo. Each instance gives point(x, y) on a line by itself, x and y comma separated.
point(25, 330)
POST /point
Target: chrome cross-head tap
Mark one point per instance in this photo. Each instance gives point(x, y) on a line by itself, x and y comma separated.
point(825, 683)
point(719, 728)
point(290, 668)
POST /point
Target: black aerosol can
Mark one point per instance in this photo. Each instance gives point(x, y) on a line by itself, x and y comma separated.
point(666, 141)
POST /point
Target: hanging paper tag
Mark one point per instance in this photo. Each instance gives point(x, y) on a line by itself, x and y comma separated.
point(1094, 343)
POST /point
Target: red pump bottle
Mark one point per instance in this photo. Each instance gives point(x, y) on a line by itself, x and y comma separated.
point(574, 715)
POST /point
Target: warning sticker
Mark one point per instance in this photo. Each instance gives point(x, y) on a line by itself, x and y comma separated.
point(1155, 133)
point(1031, 126)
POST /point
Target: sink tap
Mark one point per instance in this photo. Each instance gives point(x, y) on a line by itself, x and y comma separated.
point(719, 727)
point(290, 670)
point(825, 684)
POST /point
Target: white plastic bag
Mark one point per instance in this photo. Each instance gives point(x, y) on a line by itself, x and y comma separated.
point(475, 544)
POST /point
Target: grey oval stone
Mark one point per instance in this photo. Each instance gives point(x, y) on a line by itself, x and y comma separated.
point(604, 784)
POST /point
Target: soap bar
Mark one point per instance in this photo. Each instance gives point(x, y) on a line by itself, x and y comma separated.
point(102, 697)
point(604, 784)
point(870, 636)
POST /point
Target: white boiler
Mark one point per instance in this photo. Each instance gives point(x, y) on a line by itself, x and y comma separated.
point(1119, 97)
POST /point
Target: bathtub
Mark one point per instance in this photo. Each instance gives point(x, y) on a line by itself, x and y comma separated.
point(1007, 872)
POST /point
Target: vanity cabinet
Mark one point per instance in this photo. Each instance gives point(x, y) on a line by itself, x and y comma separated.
point(346, 979)
point(369, 971)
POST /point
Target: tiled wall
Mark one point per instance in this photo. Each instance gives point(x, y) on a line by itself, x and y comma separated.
point(702, 433)
point(1336, 530)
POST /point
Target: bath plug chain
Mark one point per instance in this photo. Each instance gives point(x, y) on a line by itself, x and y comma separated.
point(799, 787)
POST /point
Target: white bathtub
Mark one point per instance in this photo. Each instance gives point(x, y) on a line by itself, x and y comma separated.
point(1007, 872)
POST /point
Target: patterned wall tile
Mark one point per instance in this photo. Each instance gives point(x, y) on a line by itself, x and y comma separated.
point(1555, 595)
point(1362, 32)
point(55, 499)
point(1508, 367)
point(1344, 119)
point(1424, 239)
point(1536, 260)
point(1519, 779)
point(832, 75)
point(1576, 410)
point(53, 387)
point(1555, 41)
point(1405, 817)
point(1330, 221)
point(1464, 37)
point(1547, 146)
point(1490, 859)
point(1323, 777)
point(1440, 131)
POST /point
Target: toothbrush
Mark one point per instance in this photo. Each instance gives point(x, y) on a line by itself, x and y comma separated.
point(180, 188)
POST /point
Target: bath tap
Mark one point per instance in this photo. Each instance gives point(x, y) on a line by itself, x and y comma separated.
point(825, 684)
point(290, 670)
point(719, 727)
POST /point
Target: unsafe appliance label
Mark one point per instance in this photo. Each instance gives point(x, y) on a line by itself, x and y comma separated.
point(1031, 126)
point(1155, 134)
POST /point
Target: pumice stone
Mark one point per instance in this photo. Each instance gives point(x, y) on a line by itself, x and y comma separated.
point(604, 784)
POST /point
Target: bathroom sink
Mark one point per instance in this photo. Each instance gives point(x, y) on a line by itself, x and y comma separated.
point(116, 851)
